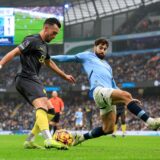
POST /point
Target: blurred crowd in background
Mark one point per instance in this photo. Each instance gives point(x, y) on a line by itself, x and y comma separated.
point(18, 115)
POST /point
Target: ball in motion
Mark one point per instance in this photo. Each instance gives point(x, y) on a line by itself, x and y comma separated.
point(63, 136)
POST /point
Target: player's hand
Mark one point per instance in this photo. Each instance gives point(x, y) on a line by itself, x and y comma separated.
point(0, 66)
point(70, 78)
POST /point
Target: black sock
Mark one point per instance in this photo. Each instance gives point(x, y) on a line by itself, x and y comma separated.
point(96, 132)
point(55, 128)
point(136, 110)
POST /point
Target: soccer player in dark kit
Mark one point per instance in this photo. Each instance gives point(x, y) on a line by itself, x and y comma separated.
point(33, 52)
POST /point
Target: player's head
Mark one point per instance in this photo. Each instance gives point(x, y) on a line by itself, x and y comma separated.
point(51, 28)
point(54, 94)
point(100, 47)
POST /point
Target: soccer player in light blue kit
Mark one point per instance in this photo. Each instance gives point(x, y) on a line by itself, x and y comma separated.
point(79, 119)
point(104, 90)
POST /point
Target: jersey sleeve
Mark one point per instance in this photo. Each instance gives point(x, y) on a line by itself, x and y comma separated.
point(81, 57)
point(27, 45)
point(64, 58)
point(76, 114)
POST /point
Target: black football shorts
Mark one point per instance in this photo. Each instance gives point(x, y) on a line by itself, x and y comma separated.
point(56, 118)
point(29, 89)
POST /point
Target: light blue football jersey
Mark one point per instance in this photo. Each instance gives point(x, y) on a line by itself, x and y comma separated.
point(99, 72)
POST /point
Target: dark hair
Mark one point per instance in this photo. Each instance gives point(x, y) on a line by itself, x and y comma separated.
point(52, 21)
point(102, 41)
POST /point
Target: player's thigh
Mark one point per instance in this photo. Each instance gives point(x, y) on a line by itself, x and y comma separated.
point(108, 120)
point(81, 123)
point(78, 123)
point(120, 96)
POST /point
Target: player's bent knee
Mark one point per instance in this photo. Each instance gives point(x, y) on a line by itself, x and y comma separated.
point(126, 95)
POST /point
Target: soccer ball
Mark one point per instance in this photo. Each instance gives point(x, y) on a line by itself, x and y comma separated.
point(63, 136)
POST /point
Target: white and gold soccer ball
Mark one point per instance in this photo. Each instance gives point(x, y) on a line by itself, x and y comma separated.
point(64, 137)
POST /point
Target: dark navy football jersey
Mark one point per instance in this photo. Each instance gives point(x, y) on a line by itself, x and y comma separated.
point(34, 53)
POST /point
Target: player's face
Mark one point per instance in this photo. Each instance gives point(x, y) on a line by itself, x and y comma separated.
point(50, 32)
point(100, 50)
point(54, 94)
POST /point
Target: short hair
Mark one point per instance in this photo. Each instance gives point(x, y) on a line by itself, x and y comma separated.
point(102, 41)
point(52, 21)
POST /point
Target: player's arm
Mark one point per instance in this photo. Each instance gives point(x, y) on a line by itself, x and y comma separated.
point(62, 105)
point(76, 115)
point(56, 69)
point(9, 56)
point(64, 58)
point(62, 109)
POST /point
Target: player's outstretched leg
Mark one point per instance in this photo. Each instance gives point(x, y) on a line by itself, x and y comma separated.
point(96, 132)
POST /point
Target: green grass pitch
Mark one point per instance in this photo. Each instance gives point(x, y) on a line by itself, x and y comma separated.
point(26, 25)
point(103, 148)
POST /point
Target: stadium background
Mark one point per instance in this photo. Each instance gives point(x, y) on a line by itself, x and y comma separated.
point(132, 28)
